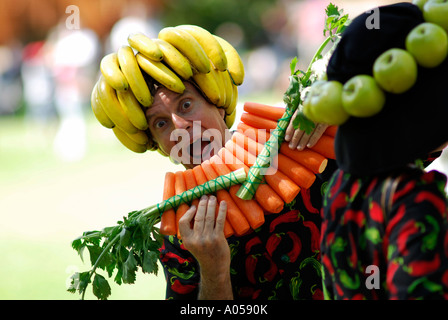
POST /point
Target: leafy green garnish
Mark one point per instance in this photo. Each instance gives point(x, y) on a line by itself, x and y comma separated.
point(336, 21)
point(335, 24)
point(132, 243)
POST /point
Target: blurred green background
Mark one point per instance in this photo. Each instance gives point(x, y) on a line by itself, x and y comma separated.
point(61, 173)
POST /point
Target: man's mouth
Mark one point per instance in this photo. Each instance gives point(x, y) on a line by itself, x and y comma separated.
point(200, 150)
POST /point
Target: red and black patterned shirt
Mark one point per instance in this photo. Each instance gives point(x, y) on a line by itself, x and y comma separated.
point(279, 260)
point(372, 250)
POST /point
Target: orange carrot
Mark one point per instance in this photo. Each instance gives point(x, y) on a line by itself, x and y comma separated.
point(260, 135)
point(199, 175)
point(179, 186)
point(275, 113)
point(298, 173)
point(283, 186)
point(303, 177)
point(331, 131)
point(236, 217)
point(231, 161)
point(168, 219)
point(250, 208)
point(265, 195)
point(201, 179)
point(249, 143)
point(190, 183)
point(325, 146)
point(258, 122)
point(310, 159)
point(220, 167)
point(264, 110)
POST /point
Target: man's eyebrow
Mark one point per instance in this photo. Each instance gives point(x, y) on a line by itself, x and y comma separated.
point(178, 97)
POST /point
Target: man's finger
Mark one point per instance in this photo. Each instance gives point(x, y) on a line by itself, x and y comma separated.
point(221, 217)
point(297, 136)
point(317, 133)
point(290, 129)
point(185, 222)
point(304, 140)
point(200, 215)
point(210, 215)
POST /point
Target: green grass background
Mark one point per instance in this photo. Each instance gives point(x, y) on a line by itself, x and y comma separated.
point(46, 202)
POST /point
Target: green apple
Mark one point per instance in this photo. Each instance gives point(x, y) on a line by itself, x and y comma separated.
point(395, 70)
point(323, 103)
point(362, 96)
point(436, 11)
point(428, 43)
point(419, 3)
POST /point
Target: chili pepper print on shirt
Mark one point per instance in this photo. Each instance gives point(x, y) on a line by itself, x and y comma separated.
point(279, 260)
point(410, 249)
point(261, 262)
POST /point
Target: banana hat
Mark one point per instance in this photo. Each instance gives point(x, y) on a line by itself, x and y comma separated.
point(129, 78)
point(411, 124)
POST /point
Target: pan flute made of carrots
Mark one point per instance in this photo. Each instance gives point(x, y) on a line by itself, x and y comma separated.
point(248, 201)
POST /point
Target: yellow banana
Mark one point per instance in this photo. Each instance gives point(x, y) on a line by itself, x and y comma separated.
point(111, 71)
point(97, 109)
point(132, 109)
point(228, 87)
point(140, 137)
point(188, 46)
point(161, 73)
point(145, 46)
point(211, 46)
point(174, 59)
point(128, 142)
point(230, 119)
point(232, 106)
point(222, 88)
point(133, 74)
point(209, 86)
point(152, 145)
point(234, 62)
point(108, 98)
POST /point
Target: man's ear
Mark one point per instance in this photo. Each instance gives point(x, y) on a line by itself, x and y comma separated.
point(222, 112)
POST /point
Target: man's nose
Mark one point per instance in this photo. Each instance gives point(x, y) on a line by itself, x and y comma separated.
point(181, 123)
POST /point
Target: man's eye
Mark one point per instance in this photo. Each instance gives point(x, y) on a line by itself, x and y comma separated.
point(159, 124)
point(186, 105)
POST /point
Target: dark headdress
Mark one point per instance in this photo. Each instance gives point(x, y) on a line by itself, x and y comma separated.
point(412, 124)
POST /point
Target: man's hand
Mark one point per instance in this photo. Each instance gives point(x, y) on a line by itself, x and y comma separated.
point(298, 139)
point(207, 243)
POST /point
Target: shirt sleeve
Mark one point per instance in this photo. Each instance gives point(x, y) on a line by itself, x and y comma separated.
point(181, 270)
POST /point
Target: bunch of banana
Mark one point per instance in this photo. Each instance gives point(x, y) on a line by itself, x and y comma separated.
point(180, 53)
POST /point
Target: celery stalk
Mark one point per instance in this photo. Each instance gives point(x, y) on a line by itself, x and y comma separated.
point(264, 159)
point(211, 186)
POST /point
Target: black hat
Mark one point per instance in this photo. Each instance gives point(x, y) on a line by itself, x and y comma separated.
point(411, 125)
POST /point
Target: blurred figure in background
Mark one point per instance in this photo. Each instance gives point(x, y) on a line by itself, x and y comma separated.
point(136, 17)
point(37, 83)
point(73, 60)
point(10, 84)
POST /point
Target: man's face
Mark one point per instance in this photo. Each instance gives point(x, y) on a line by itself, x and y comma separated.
point(182, 123)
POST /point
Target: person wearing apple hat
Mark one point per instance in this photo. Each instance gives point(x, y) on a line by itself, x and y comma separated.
point(385, 227)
